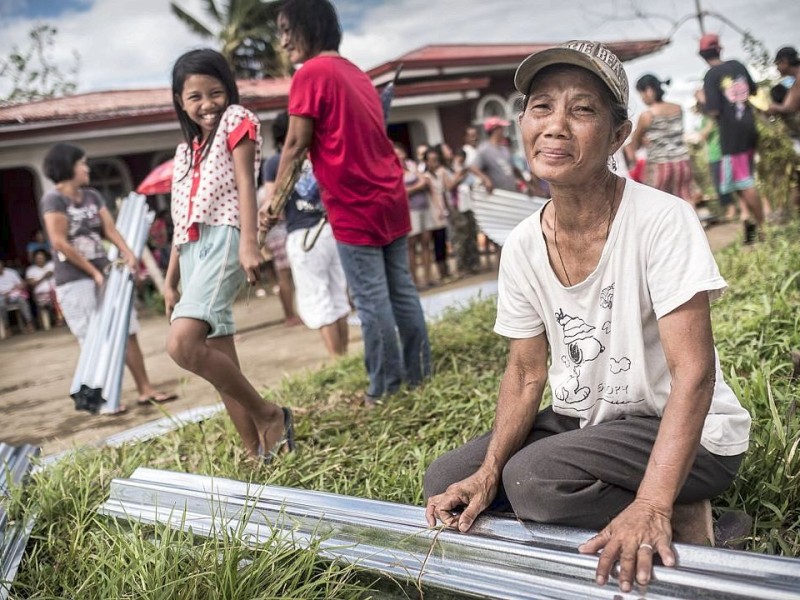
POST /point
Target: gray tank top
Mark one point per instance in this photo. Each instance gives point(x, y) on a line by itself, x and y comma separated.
point(665, 139)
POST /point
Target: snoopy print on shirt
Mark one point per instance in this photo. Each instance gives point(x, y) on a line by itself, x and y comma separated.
point(584, 345)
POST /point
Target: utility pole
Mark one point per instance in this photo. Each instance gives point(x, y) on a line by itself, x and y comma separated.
point(700, 17)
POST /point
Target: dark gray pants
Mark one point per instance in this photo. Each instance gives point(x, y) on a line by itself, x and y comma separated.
point(579, 477)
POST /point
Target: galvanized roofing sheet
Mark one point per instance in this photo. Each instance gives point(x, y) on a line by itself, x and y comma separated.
point(498, 558)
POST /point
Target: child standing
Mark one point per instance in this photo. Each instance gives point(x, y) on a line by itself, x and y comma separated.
point(214, 244)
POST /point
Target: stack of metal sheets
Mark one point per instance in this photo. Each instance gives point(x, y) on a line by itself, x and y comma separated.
point(498, 558)
point(97, 382)
point(15, 463)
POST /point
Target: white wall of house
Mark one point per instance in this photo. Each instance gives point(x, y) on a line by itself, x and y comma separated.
point(161, 138)
point(424, 125)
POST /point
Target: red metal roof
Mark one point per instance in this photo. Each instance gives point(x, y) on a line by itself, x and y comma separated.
point(451, 55)
point(127, 107)
point(111, 105)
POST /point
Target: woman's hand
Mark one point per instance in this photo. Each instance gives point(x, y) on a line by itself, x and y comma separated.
point(638, 532)
point(98, 277)
point(131, 262)
point(171, 298)
point(250, 258)
point(474, 494)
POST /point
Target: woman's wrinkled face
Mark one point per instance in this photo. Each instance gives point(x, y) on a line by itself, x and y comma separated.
point(566, 126)
point(290, 42)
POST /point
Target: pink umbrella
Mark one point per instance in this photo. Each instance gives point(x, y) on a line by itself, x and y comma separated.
point(158, 181)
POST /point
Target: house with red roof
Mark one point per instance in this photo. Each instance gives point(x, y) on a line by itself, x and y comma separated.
point(127, 133)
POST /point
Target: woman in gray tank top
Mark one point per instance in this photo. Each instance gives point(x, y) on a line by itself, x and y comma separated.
point(660, 131)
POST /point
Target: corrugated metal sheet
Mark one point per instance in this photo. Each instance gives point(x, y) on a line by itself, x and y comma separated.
point(15, 463)
point(499, 558)
point(499, 212)
point(97, 383)
point(93, 106)
point(445, 55)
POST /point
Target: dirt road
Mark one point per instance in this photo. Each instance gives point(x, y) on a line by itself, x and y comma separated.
point(36, 370)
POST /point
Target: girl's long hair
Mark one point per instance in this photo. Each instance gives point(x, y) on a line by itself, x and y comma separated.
point(204, 61)
point(314, 22)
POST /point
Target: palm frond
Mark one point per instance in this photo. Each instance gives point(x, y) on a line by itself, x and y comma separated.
point(247, 34)
point(212, 11)
point(193, 24)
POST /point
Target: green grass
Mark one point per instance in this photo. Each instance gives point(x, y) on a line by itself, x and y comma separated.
point(74, 553)
point(756, 326)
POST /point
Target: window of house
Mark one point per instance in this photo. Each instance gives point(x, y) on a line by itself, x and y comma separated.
point(493, 105)
point(112, 178)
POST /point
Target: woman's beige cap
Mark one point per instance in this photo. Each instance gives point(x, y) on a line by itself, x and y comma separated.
point(582, 53)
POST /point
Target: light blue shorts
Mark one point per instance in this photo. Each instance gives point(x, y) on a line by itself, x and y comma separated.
point(211, 277)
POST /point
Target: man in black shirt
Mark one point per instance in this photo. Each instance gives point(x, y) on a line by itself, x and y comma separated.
point(727, 87)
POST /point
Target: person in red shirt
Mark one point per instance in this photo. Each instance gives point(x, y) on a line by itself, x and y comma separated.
point(335, 115)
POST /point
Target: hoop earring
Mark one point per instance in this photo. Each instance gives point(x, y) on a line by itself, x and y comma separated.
point(612, 162)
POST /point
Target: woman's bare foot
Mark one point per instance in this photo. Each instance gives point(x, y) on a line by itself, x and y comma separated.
point(693, 523)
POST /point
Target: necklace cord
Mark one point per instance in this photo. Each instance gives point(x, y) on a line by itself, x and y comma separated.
point(608, 229)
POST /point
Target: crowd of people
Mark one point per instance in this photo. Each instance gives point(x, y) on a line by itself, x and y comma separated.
point(29, 291)
point(642, 429)
point(659, 154)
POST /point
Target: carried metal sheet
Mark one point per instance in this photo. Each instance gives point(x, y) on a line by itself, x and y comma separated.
point(97, 383)
point(499, 558)
point(15, 463)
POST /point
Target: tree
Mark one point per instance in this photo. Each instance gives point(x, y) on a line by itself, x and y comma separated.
point(31, 71)
point(755, 48)
point(248, 36)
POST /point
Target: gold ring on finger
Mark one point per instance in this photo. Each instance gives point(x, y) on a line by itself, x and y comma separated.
point(648, 546)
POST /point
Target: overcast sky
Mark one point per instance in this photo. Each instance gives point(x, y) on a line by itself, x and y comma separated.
point(132, 44)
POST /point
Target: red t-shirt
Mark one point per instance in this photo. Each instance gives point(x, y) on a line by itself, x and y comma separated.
point(354, 161)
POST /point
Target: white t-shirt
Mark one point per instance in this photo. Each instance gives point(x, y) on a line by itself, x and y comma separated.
point(10, 279)
point(607, 360)
point(35, 272)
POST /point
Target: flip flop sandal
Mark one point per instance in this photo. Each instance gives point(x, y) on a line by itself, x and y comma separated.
point(157, 398)
point(287, 440)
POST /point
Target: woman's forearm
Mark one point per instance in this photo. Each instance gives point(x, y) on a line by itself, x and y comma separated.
point(689, 348)
point(518, 401)
point(678, 439)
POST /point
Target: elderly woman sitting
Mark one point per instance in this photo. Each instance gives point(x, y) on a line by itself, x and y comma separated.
point(604, 293)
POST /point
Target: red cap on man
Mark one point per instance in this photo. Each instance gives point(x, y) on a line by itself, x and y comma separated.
point(492, 123)
point(709, 41)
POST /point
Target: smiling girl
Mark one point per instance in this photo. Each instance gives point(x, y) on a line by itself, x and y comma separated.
point(215, 245)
